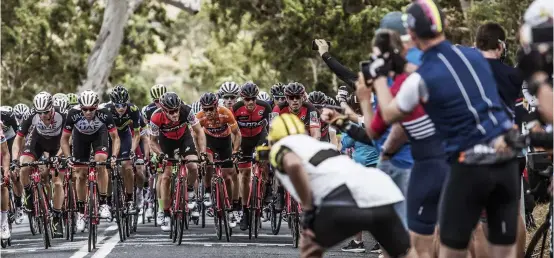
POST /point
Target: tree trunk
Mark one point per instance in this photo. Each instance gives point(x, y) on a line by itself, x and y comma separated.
point(106, 48)
point(465, 5)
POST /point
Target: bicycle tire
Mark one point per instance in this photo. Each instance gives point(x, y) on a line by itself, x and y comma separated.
point(252, 209)
point(69, 213)
point(43, 213)
point(156, 205)
point(217, 210)
point(293, 218)
point(90, 215)
point(135, 214)
point(225, 213)
point(257, 214)
point(183, 213)
point(540, 234)
point(116, 200)
point(275, 220)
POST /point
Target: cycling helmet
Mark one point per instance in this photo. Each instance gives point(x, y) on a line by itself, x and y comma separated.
point(59, 96)
point(249, 90)
point(88, 98)
point(229, 88)
point(6, 108)
point(331, 101)
point(170, 100)
point(208, 99)
point(20, 110)
point(196, 107)
point(43, 102)
point(119, 95)
point(62, 104)
point(277, 90)
point(317, 97)
point(221, 102)
point(264, 96)
point(157, 91)
point(294, 89)
point(285, 125)
point(72, 98)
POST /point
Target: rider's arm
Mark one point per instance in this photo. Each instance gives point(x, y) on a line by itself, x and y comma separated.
point(64, 143)
point(115, 142)
point(199, 137)
point(286, 161)
point(396, 139)
point(5, 156)
point(146, 145)
point(135, 117)
point(235, 131)
point(411, 93)
point(17, 144)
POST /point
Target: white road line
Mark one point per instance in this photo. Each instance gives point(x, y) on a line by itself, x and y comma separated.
point(106, 248)
point(212, 234)
point(83, 251)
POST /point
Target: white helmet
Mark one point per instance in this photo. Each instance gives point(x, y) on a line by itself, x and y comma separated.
point(88, 98)
point(229, 88)
point(59, 96)
point(43, 101)
point(62, 104)
point(196, 107)
point(262, 95)
point(157, 91)
point(20, 110)
point(6, 108)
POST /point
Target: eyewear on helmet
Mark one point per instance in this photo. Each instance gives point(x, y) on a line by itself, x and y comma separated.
point(279, 98)
point(249, 99)
point(171, 111)
point(120, 105)
point(88, 109)
point(208, 109)
point(231, 97)
point(294, 97)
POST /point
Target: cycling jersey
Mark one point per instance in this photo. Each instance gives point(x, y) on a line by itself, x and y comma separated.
point(252, 123)
point(307, 113)
point(2, 137)
point(160, 123)
point(328, 169)
point(76, 120)
point(33, 122)
point(219, 126)
point(9, 124)
point(129, 119)
point(150, 109)
point(466, 112)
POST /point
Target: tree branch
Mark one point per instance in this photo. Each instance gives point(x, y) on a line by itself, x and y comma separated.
point(191, 6)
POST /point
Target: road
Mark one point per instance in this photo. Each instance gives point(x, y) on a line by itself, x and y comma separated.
point(150, 241)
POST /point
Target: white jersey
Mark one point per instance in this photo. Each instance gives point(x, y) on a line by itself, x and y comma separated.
point(370, 187)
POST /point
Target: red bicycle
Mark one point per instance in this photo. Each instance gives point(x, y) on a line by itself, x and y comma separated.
point(70, 205)
point(255, 197)
point(293, 218)
point(91, 210)
point(179, 198)
point(221, 200)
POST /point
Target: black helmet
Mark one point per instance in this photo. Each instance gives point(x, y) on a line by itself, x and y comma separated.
point(278, 90)
point(208, 99)
point(331, 101)
point(317, 97)
point(294, 89)
point(119, 95)
point(249, 90)
point(170, 100)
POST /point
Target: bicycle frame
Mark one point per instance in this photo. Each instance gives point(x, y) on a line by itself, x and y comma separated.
point(219, 179)
point(256, 176)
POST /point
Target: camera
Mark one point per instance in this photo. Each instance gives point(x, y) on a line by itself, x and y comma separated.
point(314, 45)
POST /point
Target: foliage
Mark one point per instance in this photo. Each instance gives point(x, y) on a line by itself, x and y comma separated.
point(45, 45)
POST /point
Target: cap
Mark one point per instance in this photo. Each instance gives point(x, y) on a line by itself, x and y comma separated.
point(424, 18)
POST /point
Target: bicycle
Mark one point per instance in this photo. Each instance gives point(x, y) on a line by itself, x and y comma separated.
point(118, 201)
point(179, 197)
point(11, 210)
point(41, 205)
point(221, 200)
point(131, 217)
point(91, 210)
point(276, 217)
point(200, 192)
point(255, 197)
point(70, 206)
point(293, 218)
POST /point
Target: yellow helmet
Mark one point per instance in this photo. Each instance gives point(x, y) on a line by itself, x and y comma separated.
point(285, 125)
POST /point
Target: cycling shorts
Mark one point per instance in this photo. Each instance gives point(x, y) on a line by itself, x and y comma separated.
point(248, 146)
point(36, 145)
point(335, 223)
point(222, 146)
point(125, 144)
point(471, 188)
point(83, 144)
point(184, 145)
point(424, 191)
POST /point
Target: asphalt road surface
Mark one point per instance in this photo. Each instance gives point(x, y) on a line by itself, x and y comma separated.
point(150, 241)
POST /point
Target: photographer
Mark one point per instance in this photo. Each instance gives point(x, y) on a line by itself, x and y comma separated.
point(471, 121)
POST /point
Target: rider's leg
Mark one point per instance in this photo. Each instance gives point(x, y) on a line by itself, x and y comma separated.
point(4, 207)
point(25, 179)
point(102, 177)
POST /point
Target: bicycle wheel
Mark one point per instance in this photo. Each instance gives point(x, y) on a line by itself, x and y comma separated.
point(225, 213)
point(156, 205)
point(294, 219)
point(253, 203)
point(90, 216)
point(543, 235)
point(183, 213)
point(201, 206)
point(134, 218)
point(275, 219)
point(217, 209)
point(116, 201)
point(43, 215)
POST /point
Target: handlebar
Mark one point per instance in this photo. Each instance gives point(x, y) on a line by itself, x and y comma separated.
point(91, 163)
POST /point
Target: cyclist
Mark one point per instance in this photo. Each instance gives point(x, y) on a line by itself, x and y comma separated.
point(328, 134)
point(9, 129)
point(169, 125)
point(219, 123)
point(89, 127)
point(59, 96)
point(144, 148)
point(126, 117)
point(265, 97)
point(252, 116)
point(20, 110)
point(42, 130)
point(5, 164)
point(62, 105)
point(229, 93)
point(278, 94)
point(72, 99)
point(339, 197)
point(295, 104)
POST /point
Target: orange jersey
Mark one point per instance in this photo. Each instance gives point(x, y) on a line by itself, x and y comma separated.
point(219, 126)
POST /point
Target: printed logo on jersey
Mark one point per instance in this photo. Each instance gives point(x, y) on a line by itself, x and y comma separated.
point(313, 117)
point(86, 127)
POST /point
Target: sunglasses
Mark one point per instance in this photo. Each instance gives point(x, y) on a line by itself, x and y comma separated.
point(40, 113)
point(122, 105)
point(279, 98)
point(231, 97)
point(294, 97)
point(249, 99)
point(91, 109)
point(208, 109)
point(172, 111)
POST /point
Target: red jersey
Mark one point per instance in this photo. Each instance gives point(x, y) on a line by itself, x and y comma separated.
point(160, 123)
point(307, 113)
point(252, 123)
